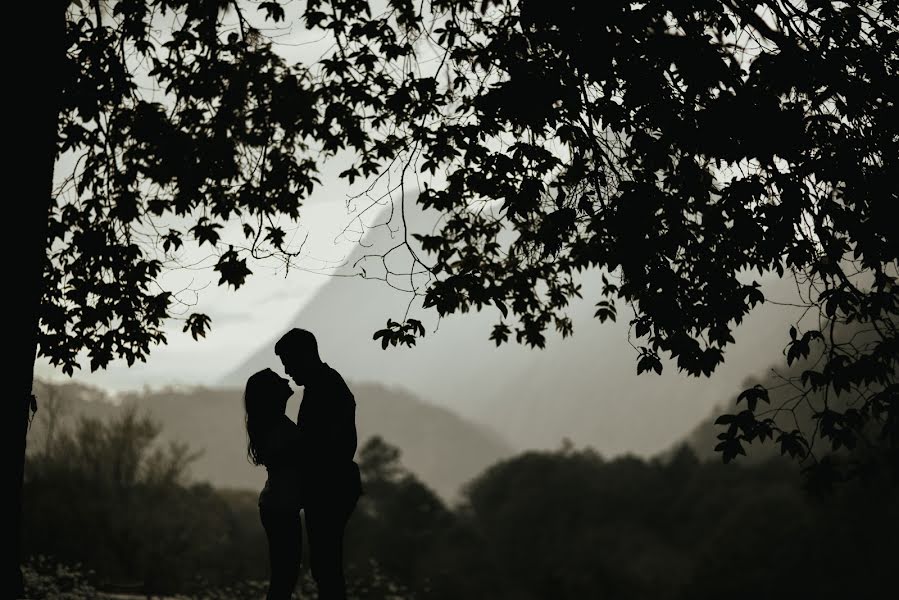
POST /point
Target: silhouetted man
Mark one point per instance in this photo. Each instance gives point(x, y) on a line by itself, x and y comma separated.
point(329, 477)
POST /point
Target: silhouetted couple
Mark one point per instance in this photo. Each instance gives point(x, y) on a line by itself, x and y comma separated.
point(310, 465)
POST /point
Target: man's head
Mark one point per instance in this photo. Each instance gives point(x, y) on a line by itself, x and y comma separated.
point(298, 351)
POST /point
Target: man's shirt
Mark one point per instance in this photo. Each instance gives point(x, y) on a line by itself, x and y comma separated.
point(327, 422)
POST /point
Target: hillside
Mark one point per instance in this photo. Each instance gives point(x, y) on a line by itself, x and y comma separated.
point(786, 405)
point(584, 388)
point(444, 450)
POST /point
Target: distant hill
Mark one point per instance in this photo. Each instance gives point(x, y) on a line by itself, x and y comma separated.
point(441, 448)
point(704, 436)
point(584, 388)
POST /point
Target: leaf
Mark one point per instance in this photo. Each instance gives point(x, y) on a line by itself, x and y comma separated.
point(205, 231)
point(649, 362)
point(730, 448)
point(605, 311)
point(725, 419)
point(791, 443)
point(753, 395)
point(172, 240)
point(754, 296)
point(500, 333)
point(276, 236)
point(274, 11)
point(232, 269)
point(813, 378)
point(417, 327)
point(197, 324)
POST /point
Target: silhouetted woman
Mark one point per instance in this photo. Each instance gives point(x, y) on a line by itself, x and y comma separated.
point(273, 441)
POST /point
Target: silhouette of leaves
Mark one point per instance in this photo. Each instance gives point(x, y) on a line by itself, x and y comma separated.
point(649, 362)
point(402, 334)
point(641, 144)
point(232, 269)
point(752, 396)
point(274, 11)
point(605, 310)
point(500, 333)
point(197, 324)
point(677, 148)
point(214, 130)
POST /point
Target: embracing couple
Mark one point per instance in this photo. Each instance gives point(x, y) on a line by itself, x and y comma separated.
point(310, 465)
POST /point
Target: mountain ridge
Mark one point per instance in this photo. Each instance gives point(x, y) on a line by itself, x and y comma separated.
point(584, 388)
point(443, 449)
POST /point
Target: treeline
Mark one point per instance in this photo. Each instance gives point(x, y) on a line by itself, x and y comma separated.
point(109, 495)
point(443, 449)
point(822, 427)
point(563, 524)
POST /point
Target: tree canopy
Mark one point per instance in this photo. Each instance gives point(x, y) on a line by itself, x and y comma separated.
point(678, 148)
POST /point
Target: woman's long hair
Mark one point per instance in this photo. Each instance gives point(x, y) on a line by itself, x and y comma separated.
point(261, 411)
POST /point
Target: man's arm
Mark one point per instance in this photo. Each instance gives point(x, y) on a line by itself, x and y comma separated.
point(338, 428)
point(347, 433)
point(342, 421)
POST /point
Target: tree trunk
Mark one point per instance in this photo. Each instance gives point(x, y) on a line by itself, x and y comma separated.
point(33, 108)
